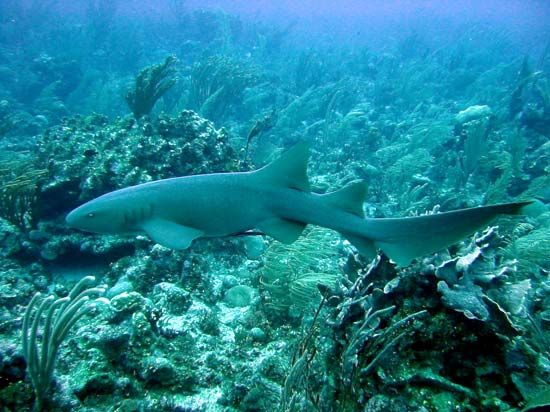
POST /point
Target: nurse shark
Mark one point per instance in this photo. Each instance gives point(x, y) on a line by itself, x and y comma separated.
point(276, 200)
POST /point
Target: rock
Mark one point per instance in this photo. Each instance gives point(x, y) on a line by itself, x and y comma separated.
point(473, 113)
point(229, 281)
point(447, 271)
point(10, 239)
point(254, 247)
point(12, 365)
point(465, 299)
point(112, 341)
point(96, 384)
point(128, 302)
point(170, 298)
point(157, 370)
point(258, 335)
point(92, 158)
point(38, 236)
point(172, 326)
point(239, 296)
point(48, 253)
point(123, 285)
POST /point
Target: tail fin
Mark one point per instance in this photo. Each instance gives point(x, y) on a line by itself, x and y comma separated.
point(404, 239)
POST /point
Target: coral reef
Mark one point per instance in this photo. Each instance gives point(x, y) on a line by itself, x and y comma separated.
point(60, 316)
point(19, 187)
point(431, 120)
point(217, 84)
point(150, 85)
point(97, 157)
point(293, 272)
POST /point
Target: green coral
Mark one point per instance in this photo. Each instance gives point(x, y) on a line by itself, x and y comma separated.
point(406, 174)
point(292, 272)
point(60, 316)
point(150, 84)
point(531, 250)
point(475, 144)
point(95, 157)
point(216, 83)
point(19, 182)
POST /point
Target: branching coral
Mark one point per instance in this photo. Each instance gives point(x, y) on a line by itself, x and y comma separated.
point(215, 82)
point(475, 132)
point(60, 316)
point(531, 250)
point(151, 83)
point(531, 99)
point(292, 272)
point(19, 180)
point(361, 333)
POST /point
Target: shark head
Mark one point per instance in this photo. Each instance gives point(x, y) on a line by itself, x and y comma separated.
point(97, 216)
point(121, 211)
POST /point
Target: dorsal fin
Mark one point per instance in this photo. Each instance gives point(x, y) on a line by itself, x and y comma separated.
point(289, 170)
point(349, 198)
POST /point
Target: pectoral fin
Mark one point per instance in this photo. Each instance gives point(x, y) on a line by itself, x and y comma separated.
point(170, 234)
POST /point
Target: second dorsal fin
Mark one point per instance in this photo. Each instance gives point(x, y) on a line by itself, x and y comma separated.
point(350, 198)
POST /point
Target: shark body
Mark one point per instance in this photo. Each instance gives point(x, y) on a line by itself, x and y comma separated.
point(277, 200)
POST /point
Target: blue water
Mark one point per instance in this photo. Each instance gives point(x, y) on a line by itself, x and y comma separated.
point(436, 106)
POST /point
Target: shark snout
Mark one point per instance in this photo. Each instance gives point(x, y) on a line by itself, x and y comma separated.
point(70, 219)
point(96, 218)
point(80, 218)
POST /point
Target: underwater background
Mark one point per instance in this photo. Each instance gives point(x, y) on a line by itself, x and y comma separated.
point(437, 105)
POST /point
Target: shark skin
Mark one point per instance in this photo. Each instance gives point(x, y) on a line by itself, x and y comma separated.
point(276, 200)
